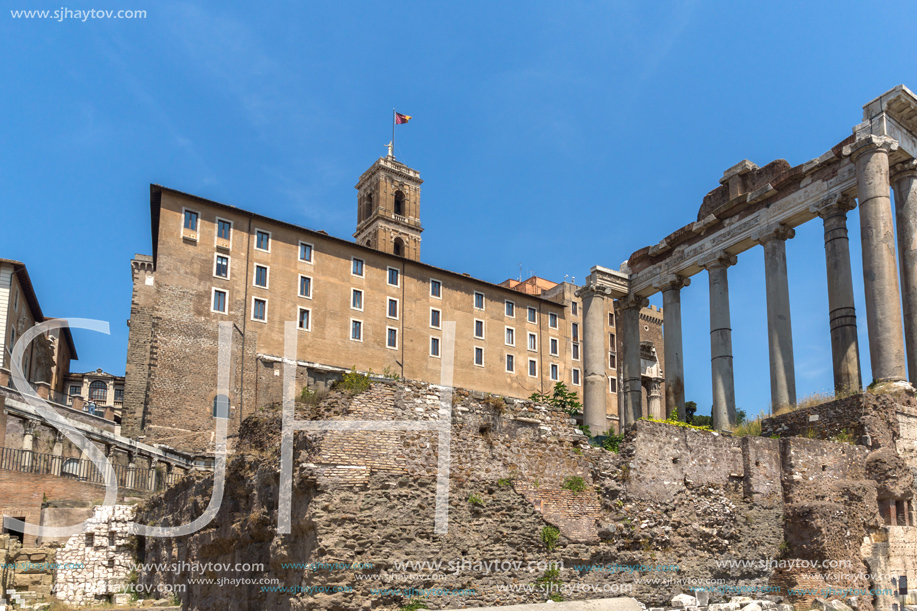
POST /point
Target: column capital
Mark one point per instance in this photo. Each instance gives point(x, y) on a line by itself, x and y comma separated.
point(671, 282)
point(592, 290)
point(869, 143)
point(633, 301)
point(833, 204)
point(905, 169)
point(719, 259)
point(774, 232)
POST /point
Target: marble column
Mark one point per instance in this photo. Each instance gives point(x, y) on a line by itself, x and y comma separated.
point(629, 328)
point(904, 183)
point(672, 342)
point(654, 406)
point(724, 396)
point(57, 453)
point(595, 386)
point(28, 436)
point(880, 269)
point(845, 348)
point(779, 326)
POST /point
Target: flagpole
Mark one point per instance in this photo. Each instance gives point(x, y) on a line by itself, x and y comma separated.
point(393, 132)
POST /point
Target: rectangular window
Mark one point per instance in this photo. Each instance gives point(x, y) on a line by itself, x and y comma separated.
point(391, 338)
point(611, 341)
point(263, 240)
point(191, 219)
point(510, 363)
point(392, 308)
point(555, 372)
point(305, 319)
point(305, 252)
point(611, 319)
point(434, 346)
point(356, 330)
point(533, 368)
point(16, 300)
point(356, 299)
point(510, 309)
point(75, 390)
point(554, 346)
point(479, 301)
point(533, 315)
point(612, 361)
point(261, 276)
point(574, 331)
point(574, 306)
point(479, 356)
point(259, 309)
point(478, 329)
point(436, 289)
point(612, 386)
point(221, 267)
point(435, 318)
point(533, 342)
point(305, 287)
point(224, 229)
point(510, 336)
point(552, 320)
point(576, 377)
point(575, 352)
point(219, 301)
point(356, 268)
point(393, 276)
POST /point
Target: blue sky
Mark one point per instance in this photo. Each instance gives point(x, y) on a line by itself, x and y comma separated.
point(555, 136)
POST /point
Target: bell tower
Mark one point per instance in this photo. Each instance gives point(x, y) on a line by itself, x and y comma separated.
point(388, 208)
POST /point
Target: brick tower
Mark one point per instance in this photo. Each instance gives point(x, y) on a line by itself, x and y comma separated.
point(388, 208)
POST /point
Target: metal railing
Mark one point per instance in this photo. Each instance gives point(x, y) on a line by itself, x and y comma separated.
point(133, 478)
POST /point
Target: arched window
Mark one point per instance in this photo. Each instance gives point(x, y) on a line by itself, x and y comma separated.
point(399, 247)
point(399, 203)
point(98, 391)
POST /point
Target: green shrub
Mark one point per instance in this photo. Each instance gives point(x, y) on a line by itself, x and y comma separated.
point(414, 605)
point(560, 398)
point(574, 483)
point(506, 481)
point(749, 428)
point(844, 436)
point(585, 429)
point(475, 499)
point(612, 442)
point(549, 536)
point(390, 374)
point(312, 397)
point(353, 382)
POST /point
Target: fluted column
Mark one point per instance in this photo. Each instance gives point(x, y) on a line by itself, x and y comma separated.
point(845, 347)
point(904, 182)
point(880, 269)
point(779, 326)
point(724, 394)
point(629, 328)
point(672, 341)
point(595, 387)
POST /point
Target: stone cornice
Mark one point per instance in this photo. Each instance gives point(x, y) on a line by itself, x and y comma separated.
point(833, 204)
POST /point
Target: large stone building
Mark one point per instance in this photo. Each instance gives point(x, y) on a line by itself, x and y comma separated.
point(47, 359)
point(372, 305)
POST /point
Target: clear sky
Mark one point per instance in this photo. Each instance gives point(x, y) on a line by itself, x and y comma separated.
point(555, 136)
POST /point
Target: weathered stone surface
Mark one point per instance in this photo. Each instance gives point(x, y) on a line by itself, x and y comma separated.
point(684, 600)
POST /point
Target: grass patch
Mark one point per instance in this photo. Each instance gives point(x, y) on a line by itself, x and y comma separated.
point(574, 483)
point(684, 425)
point(475, 499)
point(844, 436)
point(414, 605)
point(311, 396)
point(612, 442)
point(749, 428)
point(354, 382)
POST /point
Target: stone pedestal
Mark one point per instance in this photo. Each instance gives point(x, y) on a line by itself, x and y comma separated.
point(724, 396)
point(845, 348)
point(672, 341)
point(779, 326)
point(880, 269)
point(629, 328)
point(904, 182)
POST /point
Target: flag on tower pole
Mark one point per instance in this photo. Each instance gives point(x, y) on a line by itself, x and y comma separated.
point(398, 119)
